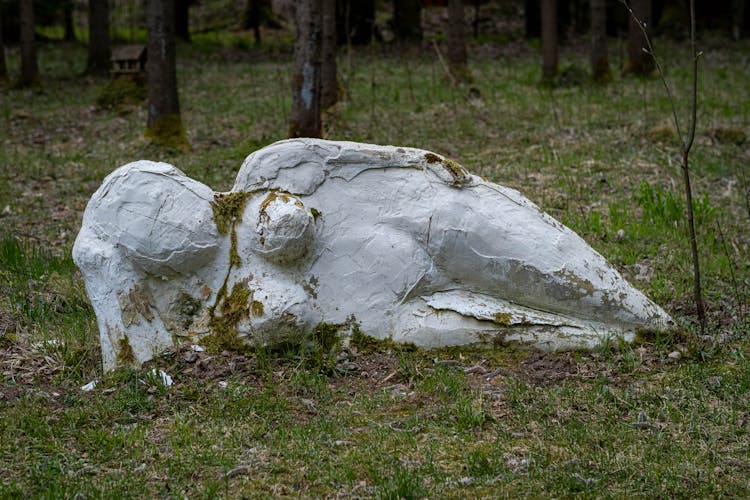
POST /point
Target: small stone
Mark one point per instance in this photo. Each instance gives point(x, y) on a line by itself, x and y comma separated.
point(349, 366)
point(342, 356)
point(723, 338)
point(714, 382)
point(190, 357)
point(89, 387)
point(620, 236)
point(466, 481)
point(674, 355)
point(6, 211)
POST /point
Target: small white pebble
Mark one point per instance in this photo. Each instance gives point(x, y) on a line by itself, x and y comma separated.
point(675, 355)
point(89, 387)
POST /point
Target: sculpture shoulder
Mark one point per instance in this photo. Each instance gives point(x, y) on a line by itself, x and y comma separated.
point(300, 166)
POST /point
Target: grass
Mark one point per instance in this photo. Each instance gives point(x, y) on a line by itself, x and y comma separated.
point(372, 419)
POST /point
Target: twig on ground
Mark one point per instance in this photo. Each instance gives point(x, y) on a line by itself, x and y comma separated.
point(442, 63)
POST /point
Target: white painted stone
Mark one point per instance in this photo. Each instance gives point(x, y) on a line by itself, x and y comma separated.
point(399, 242)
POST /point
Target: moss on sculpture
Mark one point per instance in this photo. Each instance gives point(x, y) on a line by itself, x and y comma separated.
point(456, 171)
point(503, 319)
point(228, 209)
point(224, 318)
point(125, 355)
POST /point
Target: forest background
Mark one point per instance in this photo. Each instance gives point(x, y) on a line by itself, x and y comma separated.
point(668, 415)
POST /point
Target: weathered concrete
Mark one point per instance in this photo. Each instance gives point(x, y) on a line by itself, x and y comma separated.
point(399, 242)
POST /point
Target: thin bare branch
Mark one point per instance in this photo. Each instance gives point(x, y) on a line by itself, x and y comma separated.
point(693, 113)
point(687, 143)
point(442, 63)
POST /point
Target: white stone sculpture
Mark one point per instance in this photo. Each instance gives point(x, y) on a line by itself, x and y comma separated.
point(398, 242)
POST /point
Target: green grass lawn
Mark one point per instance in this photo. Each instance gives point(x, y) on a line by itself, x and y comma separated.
point(668, 416)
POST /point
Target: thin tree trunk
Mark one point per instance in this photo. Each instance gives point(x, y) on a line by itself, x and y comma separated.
point(456, 30)
point(329, 76)
point(99, 47)
point(252, 19)
point(600, 70)
point(549, 40)
point(639, 62)
point(698, 294)
point(164, 125)
point(29, 65)
point(305, 118)
point(70, 32)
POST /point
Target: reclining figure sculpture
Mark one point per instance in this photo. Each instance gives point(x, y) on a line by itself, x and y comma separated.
point(400, 243)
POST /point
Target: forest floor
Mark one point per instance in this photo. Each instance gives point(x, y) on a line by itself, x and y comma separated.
point(668, 416)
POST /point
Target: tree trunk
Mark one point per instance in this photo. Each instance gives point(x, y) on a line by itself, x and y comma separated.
point(306, 78)
point(252, 19)
point(549, 40)
point(355, 21)
point(407, 19)
point(329, 78)
point(70, 32)
point(456, 31)
point(29, 65)
point(639, 61)
point(600, 71)
point(182, 20)
point(99, 48)
point(164, 125)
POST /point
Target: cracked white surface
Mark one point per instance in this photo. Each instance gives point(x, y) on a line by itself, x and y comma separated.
point(399, 241)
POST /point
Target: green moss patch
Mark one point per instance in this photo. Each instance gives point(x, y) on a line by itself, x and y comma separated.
point(456, 171)
point(120, 93)
point(225, 315)
point(502, 318)
point(228, 209)
point(169, 132)
point(256, 308)
point(125, 355)
point(730, 135)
